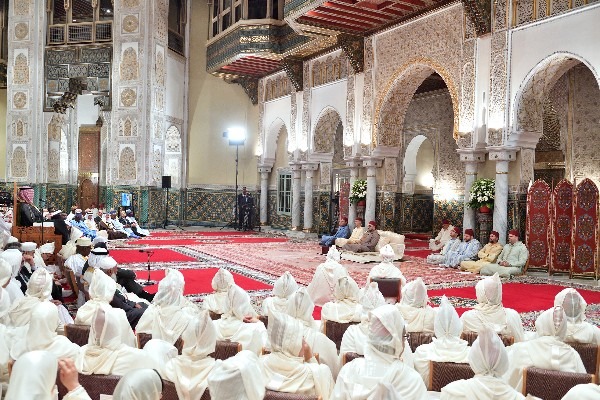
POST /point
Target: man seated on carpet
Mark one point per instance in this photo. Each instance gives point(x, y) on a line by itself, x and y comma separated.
point(114, 223)
point(451, 246)
point(131, 304)
point(135, 227)
point(341, 232)
point(128, 224)
point(442, 238)
point(367, 242)
point(357, 233)
point(386, 268)
point(512, 259)
point(104, 223)
point(75, 263)
point(326, 275)
point(487, 255)
point(466, 251)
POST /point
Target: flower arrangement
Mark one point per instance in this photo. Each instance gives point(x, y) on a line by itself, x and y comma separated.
point(358, 191)
point(482, 193)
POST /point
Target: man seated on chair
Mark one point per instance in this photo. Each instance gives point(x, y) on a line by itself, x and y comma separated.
point(341, 232)
point(357, 233)
point(75, 263)
point(466, 251)
point(487, 255)
point(368, 241)
point(442, 238)
point(451, 246)
point(512, 259)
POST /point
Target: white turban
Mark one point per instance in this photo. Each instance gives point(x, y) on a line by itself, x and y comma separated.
point(387, 253)
point(573, 304)
point(40, 284)
point(47, 248)
point(139, 384)
point(14, 259)
point(285, 285)
point(488, 355)
point(386, 331)
point(414, 294)
point(333, 254)
point(301, 307)
point(371, 297)
point(447, 324)
point(28, 246)
point(27, 385)
point(239, 377)
point(102, 287)
point(106, 263)
point(552, 322)
point(222, 280)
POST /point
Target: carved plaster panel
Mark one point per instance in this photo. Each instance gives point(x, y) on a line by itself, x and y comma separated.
point(390, 167)
point(325, 169)
point(53, 165)
point(130, 24)
point(324, 133)
point(128, 127)
point(500, 15)
point(131, 3)
point(349, 128)
point(18, 162)
point(173, 141)
point(21, 31)
point(21, 7)
point(128, 97)
point(21, 68)
point(19, 100)
point(306, 106)
point(129, 65)
point(156, 164)
point(127, 164)
point(160, 69)
point(367, 113)
point(277, 86)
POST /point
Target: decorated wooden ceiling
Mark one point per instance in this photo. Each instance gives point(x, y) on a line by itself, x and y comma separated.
point(363, 17)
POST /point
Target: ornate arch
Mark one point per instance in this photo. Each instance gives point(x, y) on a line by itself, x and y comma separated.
point(397, 95)
point(270, 143)
point(173, 140)
point(529, 101)
point(325, 130)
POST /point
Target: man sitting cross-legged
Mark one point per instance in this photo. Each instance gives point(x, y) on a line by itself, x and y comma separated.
point(487, 255)
point(368, 241)
point(451, 246)
point(357, 233)
point(466, 251)
point(342, 232)
point(442, 238)
point(512, 259)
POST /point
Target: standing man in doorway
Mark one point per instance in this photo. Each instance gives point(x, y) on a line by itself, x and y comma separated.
point(245, 204)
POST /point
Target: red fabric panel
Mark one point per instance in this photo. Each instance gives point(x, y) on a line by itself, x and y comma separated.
point(538, 224)
point(562, 226)
point(585, 241)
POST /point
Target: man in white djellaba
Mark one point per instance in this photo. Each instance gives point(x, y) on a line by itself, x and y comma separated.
point(325, 278)
point(489, 361)
point(382, 363)
point(578, 329)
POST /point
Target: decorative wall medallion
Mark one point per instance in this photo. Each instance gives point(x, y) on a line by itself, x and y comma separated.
point(585, 227)
point(128, 97)
point(130, 24)
point(584, 256)
point(21, 30)
point(20, 100)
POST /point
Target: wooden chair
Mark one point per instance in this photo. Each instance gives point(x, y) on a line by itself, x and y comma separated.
point(226, 349)
point(143, 338)
point(72, 281)
point(552, 385)
point(77, 333)
point(443, 373)
point(415, 339)
point(471, 336)
point(590, 355)
point(335, 331)
point(214, 315)
point(389, 287)
point(94, 385)
point(274, 395)
point(347, 357)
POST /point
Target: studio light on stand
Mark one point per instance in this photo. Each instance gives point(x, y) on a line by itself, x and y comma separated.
point(236, 137)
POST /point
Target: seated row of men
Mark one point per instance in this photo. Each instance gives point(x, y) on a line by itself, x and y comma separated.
point(468, 255)
point(359, 241)
point(293, 336)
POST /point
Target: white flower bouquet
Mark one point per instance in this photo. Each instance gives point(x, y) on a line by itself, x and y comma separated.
point(482, 193)
point(358, 191)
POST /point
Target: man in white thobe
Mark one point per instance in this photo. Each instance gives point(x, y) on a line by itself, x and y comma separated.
point(357, 233)
point(442, 237)
point(450, 247)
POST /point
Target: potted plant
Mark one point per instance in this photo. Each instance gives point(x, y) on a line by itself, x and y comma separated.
point(482, 195)
point(358, 192)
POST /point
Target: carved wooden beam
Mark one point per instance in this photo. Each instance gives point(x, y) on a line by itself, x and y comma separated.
point(480, 13)
point(354, 48)
point(294, 69)
point(250, 86)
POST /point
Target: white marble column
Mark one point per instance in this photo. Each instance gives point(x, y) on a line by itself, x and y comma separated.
point(353, 177)
point(264, 194)
point(501, 200)
point(308, 196)
point(296, 180)
point(372, 164)
point(471, 159)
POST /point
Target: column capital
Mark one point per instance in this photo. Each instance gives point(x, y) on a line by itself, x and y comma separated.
point(353, 162)
point(386, 151)
point(264, 168)
point(308, 166)
point(472, 156)
point(373, 162)
point(503, 154)
point(295, 166)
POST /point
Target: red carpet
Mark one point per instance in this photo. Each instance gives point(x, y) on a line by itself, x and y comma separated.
point(522, 297)
point(199, 234)
point(198, 281)
point(420, 236)
point(226, 240)
point(160, 255)
point(417, 253)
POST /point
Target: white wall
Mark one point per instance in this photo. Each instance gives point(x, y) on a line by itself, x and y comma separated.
point(482, 86)
point(331, 94)
point(275, 110)
point(87, 112)
point(577, 33)
point(175, 86)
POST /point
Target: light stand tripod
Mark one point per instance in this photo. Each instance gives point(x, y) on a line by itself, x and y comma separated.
point(234, 223)
point(166, 210)
point(149, 253)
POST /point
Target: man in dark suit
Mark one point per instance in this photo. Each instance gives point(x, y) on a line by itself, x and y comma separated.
point(245, 204)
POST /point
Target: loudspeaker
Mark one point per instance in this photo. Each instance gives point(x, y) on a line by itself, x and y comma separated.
point(166, 182)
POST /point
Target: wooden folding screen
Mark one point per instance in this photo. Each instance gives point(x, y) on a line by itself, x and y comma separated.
point(585, 234)
point(562, 227)
point(538, 225)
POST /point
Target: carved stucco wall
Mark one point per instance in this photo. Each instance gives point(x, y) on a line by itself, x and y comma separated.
point(405, 57)
point(324, 133)
point(447, 170)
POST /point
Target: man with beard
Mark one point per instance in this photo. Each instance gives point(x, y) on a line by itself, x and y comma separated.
point(487, 255)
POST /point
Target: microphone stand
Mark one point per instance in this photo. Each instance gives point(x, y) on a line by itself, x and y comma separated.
point(149, 253)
